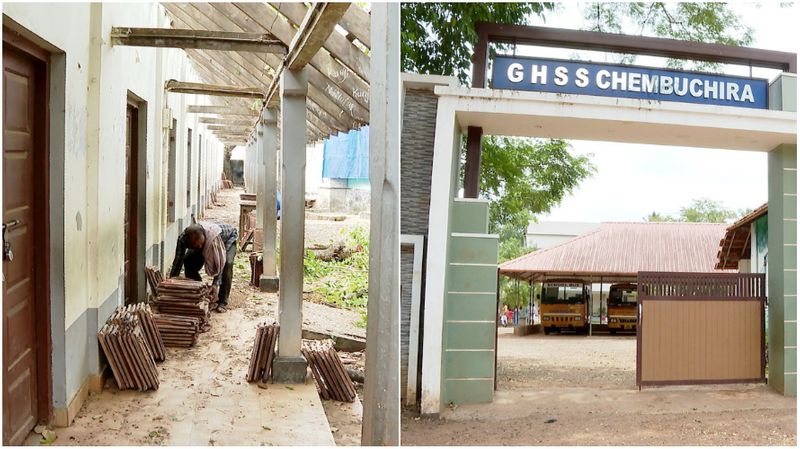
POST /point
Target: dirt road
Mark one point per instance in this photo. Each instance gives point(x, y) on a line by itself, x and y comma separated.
point(205, 384)
point(577, 390)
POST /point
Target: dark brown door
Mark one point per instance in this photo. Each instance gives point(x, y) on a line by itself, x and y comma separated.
point(131, 192)
point(24, 116)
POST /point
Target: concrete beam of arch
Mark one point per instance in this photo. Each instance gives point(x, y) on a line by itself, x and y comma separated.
point(549, 115)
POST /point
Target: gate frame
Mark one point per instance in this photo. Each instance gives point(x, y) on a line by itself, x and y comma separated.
point(646, 296)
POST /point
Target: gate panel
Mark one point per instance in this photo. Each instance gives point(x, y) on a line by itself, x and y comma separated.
point(697, 328)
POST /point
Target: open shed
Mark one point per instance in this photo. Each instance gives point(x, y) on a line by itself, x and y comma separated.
point(617, 252)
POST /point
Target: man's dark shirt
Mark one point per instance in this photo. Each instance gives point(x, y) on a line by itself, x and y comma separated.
point(229, 235)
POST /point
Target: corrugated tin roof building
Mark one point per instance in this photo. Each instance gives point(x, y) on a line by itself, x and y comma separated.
point(618, 251)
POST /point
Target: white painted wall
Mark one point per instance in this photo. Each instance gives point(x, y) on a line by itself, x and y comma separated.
point(550, 233)
point(98, 79)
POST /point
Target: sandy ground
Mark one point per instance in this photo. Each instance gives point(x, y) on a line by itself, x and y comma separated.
point(576, 390)
point(204, 399)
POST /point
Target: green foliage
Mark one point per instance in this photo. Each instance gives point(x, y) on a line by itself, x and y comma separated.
point(701, 210)
point(341, 283)
point(437, 38)
point(699, 22)
point(516, 293)
point(523, 177)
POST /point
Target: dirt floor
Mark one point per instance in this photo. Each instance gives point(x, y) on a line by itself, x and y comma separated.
point(577, 390)
point(207, 382)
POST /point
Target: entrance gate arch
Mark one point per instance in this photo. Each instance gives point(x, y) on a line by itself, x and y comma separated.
point(452, 359)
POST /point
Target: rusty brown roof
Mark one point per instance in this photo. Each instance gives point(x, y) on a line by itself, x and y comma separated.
point(735, 244)
point(624, 249)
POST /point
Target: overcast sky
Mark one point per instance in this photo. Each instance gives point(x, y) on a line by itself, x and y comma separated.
point(634, 180)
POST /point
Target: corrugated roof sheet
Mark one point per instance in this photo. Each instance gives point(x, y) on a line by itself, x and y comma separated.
point(625, 249)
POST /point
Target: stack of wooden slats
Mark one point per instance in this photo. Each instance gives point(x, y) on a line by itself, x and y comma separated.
point(256, 269)
point(128, 353)
point(177, 331)
point(263, 353)
point(331, 378)
point(186, 298)
point(149, 329)
point(154, 278)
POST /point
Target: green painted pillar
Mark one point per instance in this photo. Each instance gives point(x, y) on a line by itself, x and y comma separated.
point(782, 247)
point(782, 269)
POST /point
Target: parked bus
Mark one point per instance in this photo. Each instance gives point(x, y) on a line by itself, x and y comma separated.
point(622, 308)
point(565, 305)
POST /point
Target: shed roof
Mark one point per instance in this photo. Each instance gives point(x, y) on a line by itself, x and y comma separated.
point(338, 74)
point(621, 250)
point(735, 244)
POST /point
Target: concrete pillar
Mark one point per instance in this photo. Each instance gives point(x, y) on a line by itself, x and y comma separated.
point(782, 268)
point(269, 147)
point(380, 424)
point(259, 156)
point(290, 365)
point(782, 247)
point(248, 176)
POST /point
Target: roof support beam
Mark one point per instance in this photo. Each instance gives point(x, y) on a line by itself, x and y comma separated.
point(317, 25)
point(226, 121)
point(619, 43)
point(221, 15)
point(221, 110)
point(244, 129)
point(213, 89)
point(202, 39)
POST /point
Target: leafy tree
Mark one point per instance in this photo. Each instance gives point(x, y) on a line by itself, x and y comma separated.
point(655, 216)
point(437, 38)
point(700, 22)
point(523, 177)
point(701, 210)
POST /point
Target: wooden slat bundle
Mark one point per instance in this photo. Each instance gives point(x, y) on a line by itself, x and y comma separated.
point(154, 278)
point(263, 353)
point(149, 330)
point(256, 269)
point(331, 378)
point(177, 331)
point(185, 297)
point(128, 353)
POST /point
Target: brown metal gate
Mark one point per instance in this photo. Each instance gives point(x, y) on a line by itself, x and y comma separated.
point(700, 328)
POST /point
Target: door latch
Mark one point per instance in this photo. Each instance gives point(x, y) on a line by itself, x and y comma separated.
point(8, 255)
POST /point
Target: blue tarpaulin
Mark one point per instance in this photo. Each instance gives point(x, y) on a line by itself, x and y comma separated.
point(346, 155)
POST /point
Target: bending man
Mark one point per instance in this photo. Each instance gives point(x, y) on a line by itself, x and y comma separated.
point(209, 244)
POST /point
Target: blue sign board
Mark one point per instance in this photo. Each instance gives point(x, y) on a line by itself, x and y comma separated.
point(607, 80)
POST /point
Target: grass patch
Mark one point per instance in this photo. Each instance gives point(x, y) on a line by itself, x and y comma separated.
point(341, 283)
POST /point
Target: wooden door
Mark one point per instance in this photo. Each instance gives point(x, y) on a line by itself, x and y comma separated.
point(131, 193)
point(24, 346)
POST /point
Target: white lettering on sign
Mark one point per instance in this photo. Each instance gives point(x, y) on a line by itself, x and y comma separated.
point(634, 82)
point(631, 81)
point(602, 79)
point(582, 77)
point(695, 89)
point(515, 72)
point(561, 78)
point(747, 93)
point(538, 73)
